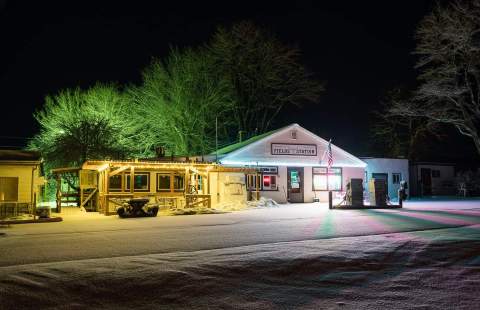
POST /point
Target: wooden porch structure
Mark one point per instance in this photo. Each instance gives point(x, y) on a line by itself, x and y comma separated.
point(103, 185)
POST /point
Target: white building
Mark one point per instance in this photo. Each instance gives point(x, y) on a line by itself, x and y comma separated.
point(293, 165)
point(392, 170)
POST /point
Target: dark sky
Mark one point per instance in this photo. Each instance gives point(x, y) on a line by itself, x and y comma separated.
point(360, 48)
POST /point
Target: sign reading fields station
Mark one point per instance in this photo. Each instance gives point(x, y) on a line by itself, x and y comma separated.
point(294, 149)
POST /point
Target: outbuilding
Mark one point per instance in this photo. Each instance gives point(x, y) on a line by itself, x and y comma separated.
point(293, 165)
point(21, 181)
point(432, 178)
point(392, 170)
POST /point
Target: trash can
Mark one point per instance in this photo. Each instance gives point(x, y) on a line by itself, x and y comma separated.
point(43, 212)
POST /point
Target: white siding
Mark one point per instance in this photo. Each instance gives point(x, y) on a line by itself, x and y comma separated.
point(388, 166)
point(259, 154)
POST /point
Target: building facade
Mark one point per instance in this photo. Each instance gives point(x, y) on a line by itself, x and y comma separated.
point(292, 162)
point(21, 180)
point(392, 170)
point(432, 179)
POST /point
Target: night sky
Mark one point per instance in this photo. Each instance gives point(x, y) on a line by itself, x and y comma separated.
point(361, 49)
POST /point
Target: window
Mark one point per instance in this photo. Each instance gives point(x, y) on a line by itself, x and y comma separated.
point(269, 182)
point(141, 182)
point(178, 182)
point(293, 134)
point(327, 179)
point(115, 183)
point(200, 182)
point(8, 188)
point(196, 181)
point(435, 173)
point(396, 178)
point(163, 182)
point(121, 182)
point(169, 182)
point(253, 182)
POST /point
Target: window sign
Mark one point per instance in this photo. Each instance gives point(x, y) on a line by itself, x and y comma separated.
point(269, 170)
point(320, 170)
point(294, 149)
point(269, 182)
point(294, 179)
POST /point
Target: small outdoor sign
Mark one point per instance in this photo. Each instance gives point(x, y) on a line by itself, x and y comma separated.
point(294, 149)
point(294, 179)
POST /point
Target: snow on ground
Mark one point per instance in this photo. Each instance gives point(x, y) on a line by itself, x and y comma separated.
point(426, 270)
point(425, 256)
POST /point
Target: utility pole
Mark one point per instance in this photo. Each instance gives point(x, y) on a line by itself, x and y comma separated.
point(216, 140)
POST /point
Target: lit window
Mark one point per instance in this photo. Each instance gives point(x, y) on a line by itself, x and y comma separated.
point(396, 177)
point(269, 182)
point(141, 182)
point(327, 179)
point(8, 188)
point(163, 182)
point(319, 182)
point(266, 181)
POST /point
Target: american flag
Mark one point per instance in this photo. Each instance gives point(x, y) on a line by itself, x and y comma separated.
point(329, 154)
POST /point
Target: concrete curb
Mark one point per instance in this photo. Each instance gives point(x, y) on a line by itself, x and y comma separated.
point(47, 220)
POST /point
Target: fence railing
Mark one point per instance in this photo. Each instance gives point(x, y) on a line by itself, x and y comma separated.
point(13, 209)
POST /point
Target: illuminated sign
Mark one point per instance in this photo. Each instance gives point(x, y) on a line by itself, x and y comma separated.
point(266, 180)
point(294, 149)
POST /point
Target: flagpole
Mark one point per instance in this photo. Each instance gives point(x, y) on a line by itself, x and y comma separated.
point(326, 150)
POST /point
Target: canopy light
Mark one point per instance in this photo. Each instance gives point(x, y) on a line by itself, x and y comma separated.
point(289, 164)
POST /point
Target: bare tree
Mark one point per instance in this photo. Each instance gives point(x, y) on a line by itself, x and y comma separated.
point(448, 45)
point(265, 73)
point(399, 135)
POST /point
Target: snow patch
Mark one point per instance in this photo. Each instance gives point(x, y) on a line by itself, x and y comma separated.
point(372, 272)
point(263, 203)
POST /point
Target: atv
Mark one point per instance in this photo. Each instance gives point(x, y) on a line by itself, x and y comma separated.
point(137, 207)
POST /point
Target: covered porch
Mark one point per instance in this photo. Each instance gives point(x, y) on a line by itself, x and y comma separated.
point(104, 186)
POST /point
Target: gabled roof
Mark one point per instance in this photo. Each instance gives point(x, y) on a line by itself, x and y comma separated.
point(257, 151)
point(19, 155)
point(235, 146)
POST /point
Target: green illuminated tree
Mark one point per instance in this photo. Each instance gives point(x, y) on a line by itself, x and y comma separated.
point(266, 74)
point(178, 101)
point(77, 125)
